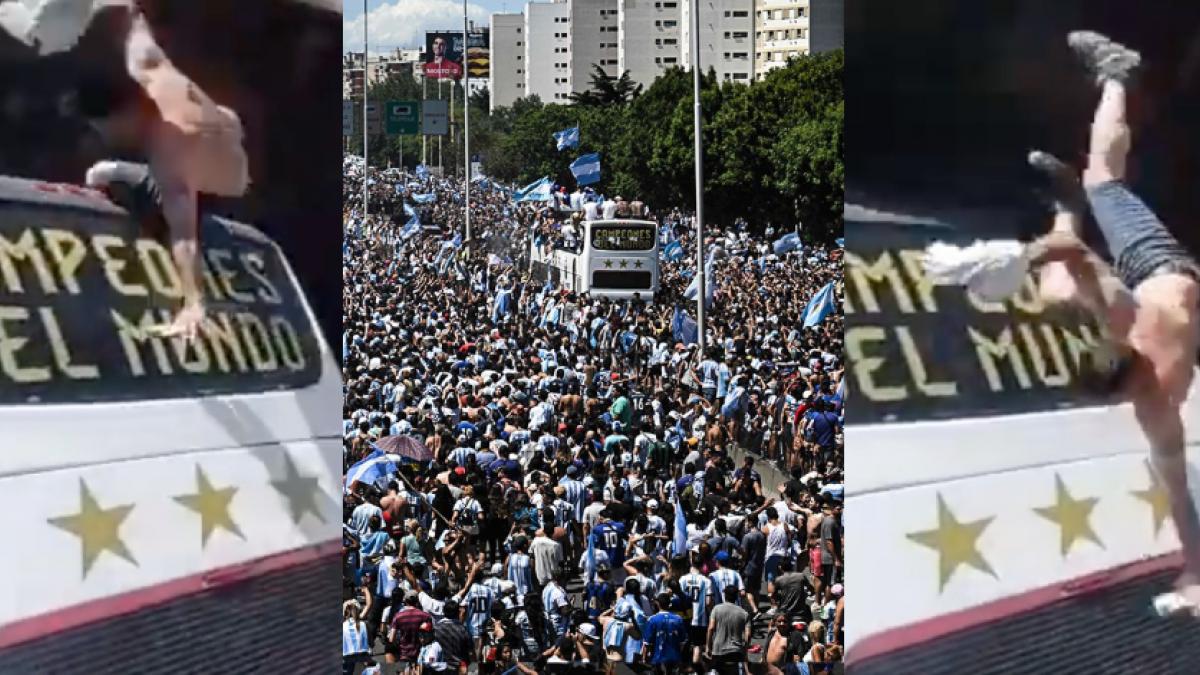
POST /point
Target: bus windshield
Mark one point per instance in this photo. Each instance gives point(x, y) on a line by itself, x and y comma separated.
point(622, 238)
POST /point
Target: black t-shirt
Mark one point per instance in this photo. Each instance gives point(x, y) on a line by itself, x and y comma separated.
point(621, 511)
point(754, 544)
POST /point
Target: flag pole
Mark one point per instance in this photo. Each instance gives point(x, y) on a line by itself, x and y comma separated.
point(366, 69)
point(466, 124)
point(699, 150)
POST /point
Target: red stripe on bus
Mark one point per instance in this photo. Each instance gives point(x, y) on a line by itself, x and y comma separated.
point(75, 616)
point(927, 630)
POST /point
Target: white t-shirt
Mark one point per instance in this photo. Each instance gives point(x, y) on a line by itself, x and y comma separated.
point(431, 657)
point(777, 541)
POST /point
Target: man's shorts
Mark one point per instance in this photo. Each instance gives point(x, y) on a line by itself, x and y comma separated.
point(1140, 245)
point(826, 573)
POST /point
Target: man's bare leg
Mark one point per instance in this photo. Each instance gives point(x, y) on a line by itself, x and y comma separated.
point(1157, 413)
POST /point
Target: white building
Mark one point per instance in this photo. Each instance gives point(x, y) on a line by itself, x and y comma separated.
point(648, 38)
point(594, 38)
point(785, 29)
point(726, 38)
point(548, 50)
point(506, 79)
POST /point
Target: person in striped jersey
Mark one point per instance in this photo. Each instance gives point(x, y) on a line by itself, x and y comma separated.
point(478, 600)
point(520, 567)
point(578, 495)
point(354, 639)
point(726, 577)
point(467, 512)
point(700, 594)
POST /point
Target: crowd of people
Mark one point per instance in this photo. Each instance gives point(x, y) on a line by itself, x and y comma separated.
point(590, 491)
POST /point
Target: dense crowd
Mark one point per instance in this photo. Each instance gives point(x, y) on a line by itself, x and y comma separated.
point(597, 493)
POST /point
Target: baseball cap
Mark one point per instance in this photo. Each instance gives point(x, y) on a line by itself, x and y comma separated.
point(837, 590)
point(589, 631)
point(722, 556)
point(652, 504)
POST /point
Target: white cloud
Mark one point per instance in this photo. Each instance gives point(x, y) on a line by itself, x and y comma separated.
point(403, 24)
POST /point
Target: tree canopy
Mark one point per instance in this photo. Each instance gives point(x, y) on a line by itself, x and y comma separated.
point(772, 148)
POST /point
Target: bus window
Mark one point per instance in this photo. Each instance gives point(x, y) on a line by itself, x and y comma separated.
point(77, 296)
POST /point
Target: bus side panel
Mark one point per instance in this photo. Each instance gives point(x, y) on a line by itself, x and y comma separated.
point(977, 577)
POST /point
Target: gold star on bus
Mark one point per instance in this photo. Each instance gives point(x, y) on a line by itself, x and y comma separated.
point(956, 543)
point(638, 264)
point(1156, 497)
point(98, 529)
point(212, 505)
point(608, 264)
point(302, 492)
point(1071, 515)
point(624, 264)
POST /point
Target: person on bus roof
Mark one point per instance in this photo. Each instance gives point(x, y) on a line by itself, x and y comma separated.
point(191, 145)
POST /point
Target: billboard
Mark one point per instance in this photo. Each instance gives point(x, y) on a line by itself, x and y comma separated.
point(443, 55)
point(479, 53)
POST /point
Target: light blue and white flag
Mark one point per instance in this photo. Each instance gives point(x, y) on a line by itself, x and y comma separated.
point(422, 172)
point(820, 306)
point(788, 242)
point(683, 327)
point(710, 283)
point(537, 191)
point(673, 251)
point(370, 469)
point(679, 541)
point(841, 242)
point(410, 228)
point(409, 211)
point(428, 198)
point(502, 305)
point(567, 138)
point(586, 169)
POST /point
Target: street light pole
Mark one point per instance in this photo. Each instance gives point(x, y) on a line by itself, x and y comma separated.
point(466, 123)
point(699, 150)
point(365, 78)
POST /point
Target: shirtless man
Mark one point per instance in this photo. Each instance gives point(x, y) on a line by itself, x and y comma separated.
point(1148, 306)
point(190, 144)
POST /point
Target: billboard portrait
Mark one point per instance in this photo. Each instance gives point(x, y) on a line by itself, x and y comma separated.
point(478, 53)
point(443, 55)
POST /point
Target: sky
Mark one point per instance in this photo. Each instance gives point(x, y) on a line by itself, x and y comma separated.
point(402, 23)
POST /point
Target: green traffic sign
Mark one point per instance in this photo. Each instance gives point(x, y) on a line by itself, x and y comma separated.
point(403, 118)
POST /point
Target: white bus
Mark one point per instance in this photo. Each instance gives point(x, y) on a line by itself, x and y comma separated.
point(154, 491)
point(610, 258)
point(1001, 515)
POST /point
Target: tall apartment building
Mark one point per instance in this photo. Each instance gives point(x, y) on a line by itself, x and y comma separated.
point(506, 79)
point(784, 29)
point(379, 68)
point(594, 37)
point(726, 38)
point(648, 37)
point(548, 50)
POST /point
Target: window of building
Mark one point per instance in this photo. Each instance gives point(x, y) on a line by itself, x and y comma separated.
point(740, 76)
point(518, 57)
point(669, 59)
point(802, 33)
point(518, 31)
point(519, 43)
point(738, 14)
point(740, 34)
point(670, 5)
point(670, 41)
point(670, 24)
point(658, 59)
point(741, 55)
point(520, 70)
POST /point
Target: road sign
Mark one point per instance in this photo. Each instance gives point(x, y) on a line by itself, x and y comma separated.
point(435, 117)
point(375, 118)
point(347, 118)
point(403, 118)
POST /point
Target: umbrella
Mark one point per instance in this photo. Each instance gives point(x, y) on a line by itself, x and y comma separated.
point(407, 447)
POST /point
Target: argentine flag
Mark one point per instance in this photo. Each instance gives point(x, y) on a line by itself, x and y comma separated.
point(819, 307)
point(673, 251)
point(679, 541)
point(370, 469)
point(425, 198)
point(586, 169)
point(683, 327)
point(710, 283)
point(841, 242)
point(422, 172)
point(501, 307)
point(567, 138)
point(537, 191)
point(788, 242)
